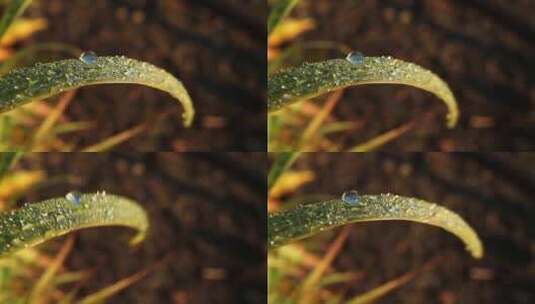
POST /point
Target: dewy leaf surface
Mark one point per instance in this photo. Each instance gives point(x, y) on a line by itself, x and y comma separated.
point(314, 79)
point(36, 223)
point(309, 219)
point(47, 79)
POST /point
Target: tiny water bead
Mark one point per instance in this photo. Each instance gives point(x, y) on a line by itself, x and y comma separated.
point(351, 197)
point(355, 57)
point(88, 57)
point(74, 197)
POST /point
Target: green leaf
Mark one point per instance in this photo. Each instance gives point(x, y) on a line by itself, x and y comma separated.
point(47, 79)
point(15, 9)
point(281, 9)
point(39, 222)
point(314, 79)
point(309, 219)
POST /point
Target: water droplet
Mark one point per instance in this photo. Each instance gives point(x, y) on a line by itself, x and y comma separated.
point(355, 57)
point(351, 197)
point(74, 197)
point(88, 57)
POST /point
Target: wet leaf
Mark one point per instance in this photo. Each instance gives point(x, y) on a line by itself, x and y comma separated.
point(47, 79)
point(39, 222)
point(314, 79)
point(309, 219)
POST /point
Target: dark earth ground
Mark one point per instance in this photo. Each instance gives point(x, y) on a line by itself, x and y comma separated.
point(217, 48)
point(207, 211)
point(494, 193)
point(483, 49)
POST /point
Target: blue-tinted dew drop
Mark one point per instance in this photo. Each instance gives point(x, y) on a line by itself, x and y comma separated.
point(355, 57)
point(88, 57)
point(351, 197)
point(74, 197)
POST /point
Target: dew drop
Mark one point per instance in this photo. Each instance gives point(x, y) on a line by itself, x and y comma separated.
point(351, 197)
point(74, 197)
point(355, 57)
point(88, 57)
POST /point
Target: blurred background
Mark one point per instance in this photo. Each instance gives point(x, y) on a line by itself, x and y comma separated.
point(482, 48)
point(216, 47)
point(207, 217)
point(493, 192)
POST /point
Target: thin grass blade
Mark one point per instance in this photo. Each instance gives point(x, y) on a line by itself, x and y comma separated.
point(305, 142)
point(6, 161)
point(39, 222)
point(310, 219)
point(52, 118)
point(46, 279)
point(308, 289)
point(109, 291)
point(378, 292)
point(116, 139)
point(43, 80)
point(314, 79)
point(281, 9)
point(382, 139)
point(283, 161)
point(15, 9)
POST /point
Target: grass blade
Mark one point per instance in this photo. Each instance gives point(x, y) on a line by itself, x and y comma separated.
point(47, 79)
point(15, 9)
point(116, 139)
point(36, 223)
point(283, 161)
point(51, 271)
point(382, 290)
point(309, 219)
point(281, 9)
point(308, 287)
point(312, 128)
point(382, 139)
point(111, 290)
point(6, 161)
point(52, 117)
point(314, 79)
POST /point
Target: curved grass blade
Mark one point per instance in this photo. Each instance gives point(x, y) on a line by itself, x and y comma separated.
point(47, 79)
point(314, 79)
point(309, 219)
point(281, 9)
point(39, 222)
point(15, 9)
